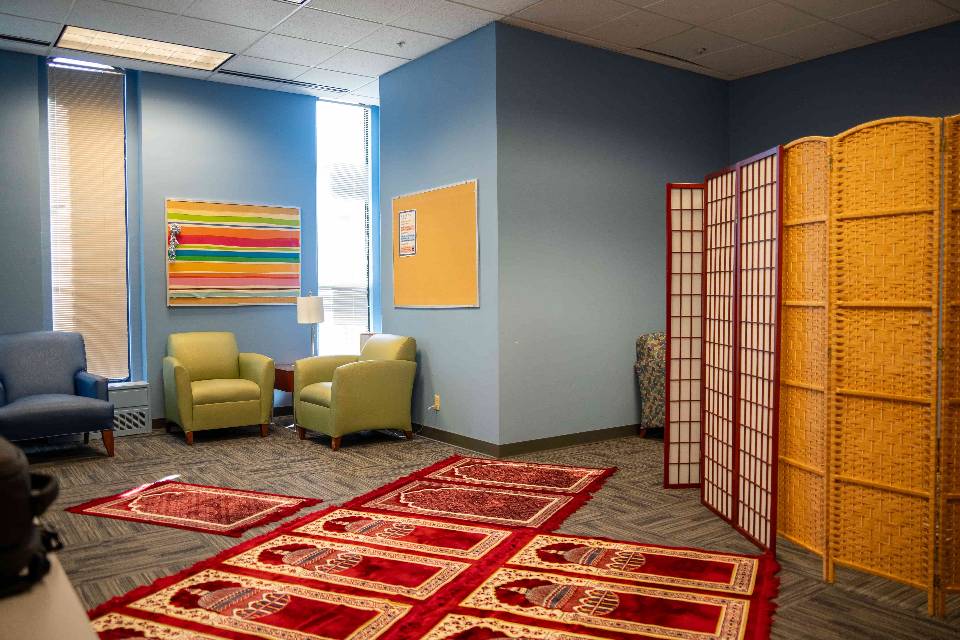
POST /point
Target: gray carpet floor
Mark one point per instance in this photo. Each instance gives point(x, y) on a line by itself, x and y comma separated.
point(106, 557)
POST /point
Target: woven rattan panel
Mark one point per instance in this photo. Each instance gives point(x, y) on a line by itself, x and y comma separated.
point(802, 496)
point(719, 349)
point(681, 438)
point(950, 407)
point(757, 346)
point(883, 308)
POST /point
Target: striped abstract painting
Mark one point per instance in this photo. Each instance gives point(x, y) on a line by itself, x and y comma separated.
point(232, 254)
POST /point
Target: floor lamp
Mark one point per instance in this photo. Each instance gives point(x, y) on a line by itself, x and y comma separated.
point(310, 311)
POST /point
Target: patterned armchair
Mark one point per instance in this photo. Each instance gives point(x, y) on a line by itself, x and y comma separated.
point(651, 378)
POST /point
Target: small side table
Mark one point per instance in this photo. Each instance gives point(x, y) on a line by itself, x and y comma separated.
point(283, 380)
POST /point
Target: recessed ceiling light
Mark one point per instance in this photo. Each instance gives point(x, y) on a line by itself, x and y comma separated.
point(121, 46)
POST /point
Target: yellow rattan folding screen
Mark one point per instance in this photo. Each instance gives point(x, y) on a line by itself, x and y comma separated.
point(803, 348)
point(861, 331)
point(949, 542)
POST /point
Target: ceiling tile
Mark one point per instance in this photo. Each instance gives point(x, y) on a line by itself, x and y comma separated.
point(693, 43)
point(832, 8)
point(386, 41)
point(23, 47)
point(899, 16)
point(371, 90)
point(445, 19)
point(211, 35)
point(953, 4)
point(362, 63)
point(373, 10)
point(253, 14)
point(505, 7)
point(261, 67)
point(559, 33)
point(325, 27)
point(763, 22)
point(638, 29)
point(295, 50)
point(120, 18)
point(820, 39)
point(701, 11)
point(744, 60)
point(29, 28)
point(677, 64)
point(52, 10)
point(575, 15)
point(331, 78)
point(170, 6)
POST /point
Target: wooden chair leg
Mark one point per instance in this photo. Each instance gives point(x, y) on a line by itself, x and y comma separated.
point(408, 434)
point(107, 435)
point(264, 430)
point(335, 443)
point(188, 436)
point(301, 432)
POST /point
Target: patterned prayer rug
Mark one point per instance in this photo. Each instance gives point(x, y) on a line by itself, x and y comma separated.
point(195, 507)
point(360, 573)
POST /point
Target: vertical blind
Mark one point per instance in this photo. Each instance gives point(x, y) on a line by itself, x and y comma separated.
point(343, 224)
point(88, 220)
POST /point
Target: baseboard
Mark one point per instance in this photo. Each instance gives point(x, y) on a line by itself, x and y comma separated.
point(527, 446)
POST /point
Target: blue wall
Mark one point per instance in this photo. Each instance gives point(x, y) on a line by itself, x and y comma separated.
point(210, 141)
point(23, 200)
point(438, 126)
point(586, 141)
point(916, 75)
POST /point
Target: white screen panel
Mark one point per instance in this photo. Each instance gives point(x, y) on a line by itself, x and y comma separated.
point(684, 325)
point(719, 293)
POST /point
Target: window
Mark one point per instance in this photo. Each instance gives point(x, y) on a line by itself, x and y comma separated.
point(88, 215)
point(343, 224)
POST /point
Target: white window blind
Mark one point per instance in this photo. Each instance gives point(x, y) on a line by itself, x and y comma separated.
point(343, 224)
point(88, 218)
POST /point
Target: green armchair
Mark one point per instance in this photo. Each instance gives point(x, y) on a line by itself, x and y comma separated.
point(209, 384)
point(337, 395)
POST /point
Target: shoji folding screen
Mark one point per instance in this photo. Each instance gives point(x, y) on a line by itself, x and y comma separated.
point(681, 435)
point(741, 288)
point(870, 412)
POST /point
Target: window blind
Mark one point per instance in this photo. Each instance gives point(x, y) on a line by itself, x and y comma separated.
point(88, 220)
point(343, 224)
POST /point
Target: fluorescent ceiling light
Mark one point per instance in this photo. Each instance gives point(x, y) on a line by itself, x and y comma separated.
point(70, 62)
point(114, 44)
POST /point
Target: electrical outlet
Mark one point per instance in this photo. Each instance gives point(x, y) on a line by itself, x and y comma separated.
point(436, 402)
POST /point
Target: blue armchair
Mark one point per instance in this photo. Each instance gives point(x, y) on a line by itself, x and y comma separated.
point(45, 389)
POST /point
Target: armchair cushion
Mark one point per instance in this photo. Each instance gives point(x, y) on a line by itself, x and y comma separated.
point(220, 390)
point(53, 414)
point(40, 362)
point(318, 393)
point(206, 355)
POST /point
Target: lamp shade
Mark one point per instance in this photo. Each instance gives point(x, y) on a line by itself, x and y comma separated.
point(309, 309)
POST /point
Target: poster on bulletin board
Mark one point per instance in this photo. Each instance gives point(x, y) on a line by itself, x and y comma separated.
point(435, 248)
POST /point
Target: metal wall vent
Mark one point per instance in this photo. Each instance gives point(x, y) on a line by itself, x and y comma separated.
point(295, 83)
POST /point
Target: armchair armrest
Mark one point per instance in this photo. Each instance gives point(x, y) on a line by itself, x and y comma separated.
point(373, 393)
point(177, 394)
point(259, 368)
point(307, 371)
point(90, 385)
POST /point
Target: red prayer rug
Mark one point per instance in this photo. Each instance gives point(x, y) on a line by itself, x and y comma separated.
point(356, 573)
point(195, 507)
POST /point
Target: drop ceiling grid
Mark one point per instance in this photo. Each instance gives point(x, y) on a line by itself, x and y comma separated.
point(349, 43)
